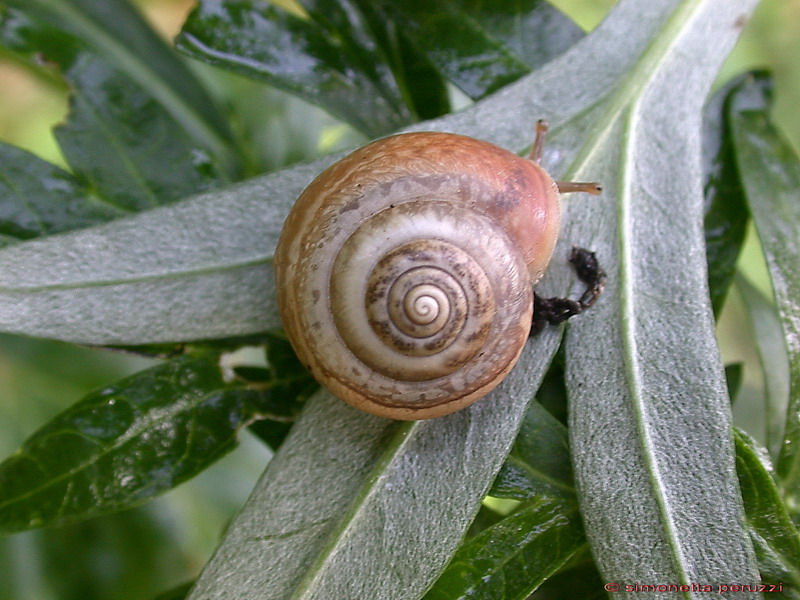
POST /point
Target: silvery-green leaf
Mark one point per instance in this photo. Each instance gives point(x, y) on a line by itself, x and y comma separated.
point(620, 116)
point(649, 411)
point(331, 517)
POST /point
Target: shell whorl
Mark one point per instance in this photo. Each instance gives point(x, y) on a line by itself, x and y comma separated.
point(400, 288)
point(418, 305)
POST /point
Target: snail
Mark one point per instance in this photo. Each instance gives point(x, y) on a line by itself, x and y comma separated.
point(405, 270)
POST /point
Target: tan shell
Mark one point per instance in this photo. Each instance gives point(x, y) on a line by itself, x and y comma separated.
point(405, 271)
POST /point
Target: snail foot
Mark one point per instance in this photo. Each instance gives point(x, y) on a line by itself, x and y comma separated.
point(556, 310)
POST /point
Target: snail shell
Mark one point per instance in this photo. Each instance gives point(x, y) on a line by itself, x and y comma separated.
point(405, 271)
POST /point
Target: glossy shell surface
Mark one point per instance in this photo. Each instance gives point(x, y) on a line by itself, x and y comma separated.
point(405, 271)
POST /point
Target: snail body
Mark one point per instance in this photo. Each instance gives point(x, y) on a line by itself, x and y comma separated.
point(405, 270)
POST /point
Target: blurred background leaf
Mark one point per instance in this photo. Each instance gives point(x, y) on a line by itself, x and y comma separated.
point(775, 537)
point(770, 172)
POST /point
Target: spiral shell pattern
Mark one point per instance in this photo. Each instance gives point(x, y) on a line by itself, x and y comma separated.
point(400, 288)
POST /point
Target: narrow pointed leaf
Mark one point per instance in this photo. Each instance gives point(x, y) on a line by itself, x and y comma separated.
point(120, 34)
point(124, 444)
point(771, 175)
point(349, 494)
point(649, 412)
point(361, 539)
point(119, 138)
point(726, 213)
point(513, 557)
point(771, 349)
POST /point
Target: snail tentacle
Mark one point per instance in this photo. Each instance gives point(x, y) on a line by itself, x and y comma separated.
point(405, 271)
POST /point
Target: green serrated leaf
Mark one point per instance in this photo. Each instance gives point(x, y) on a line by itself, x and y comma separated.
point(775, 537)
point(510, 559)
point(116, 30)
point(37, 198)
point(304, 56)
point(539, 463)
point(126, 145)
point(123, 445)
point(770, 171)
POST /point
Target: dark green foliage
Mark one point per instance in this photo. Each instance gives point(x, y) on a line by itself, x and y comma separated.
point(726, 209)
point(38, 198)
point(124, 444)
point(379, 65)
point(775, 537)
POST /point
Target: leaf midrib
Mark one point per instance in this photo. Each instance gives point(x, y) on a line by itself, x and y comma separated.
point(630, 354)
point(521, 549)
point(395, 446)
point(627, 98)
point(175, 408)
point(107, 130)
point(631, 87)
point(184, 273)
